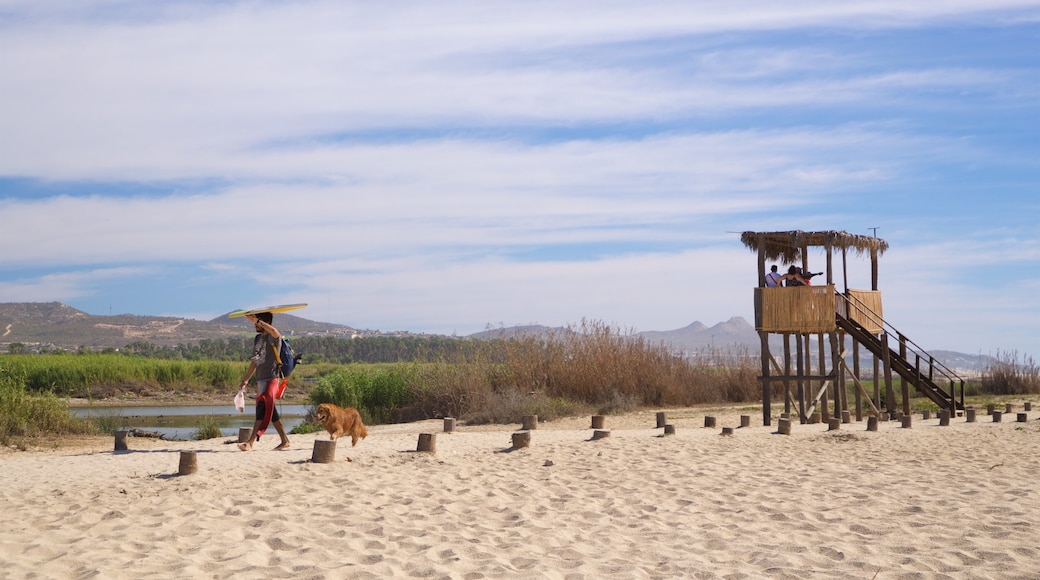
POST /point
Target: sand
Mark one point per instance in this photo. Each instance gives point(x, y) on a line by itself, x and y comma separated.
point(959, 501)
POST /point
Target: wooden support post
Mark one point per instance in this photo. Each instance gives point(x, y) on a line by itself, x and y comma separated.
point(449, 424)
point(121, 441)
point(521, 439)
point(662, 420)
point(601, 433)
point(669, 429)
point(784, 426)
point(787, 373)
point(597, 421)
point(189, 463)
point(244, 433)
point(872, 422)
point(745, 421)
point(944, 418)
point(886, 359)
point(709, 422)
point(324, 451)
point(427, 443)
point(767, 385)
point(530, 422)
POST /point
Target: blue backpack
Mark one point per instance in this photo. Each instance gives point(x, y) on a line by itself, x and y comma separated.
point(286, 357)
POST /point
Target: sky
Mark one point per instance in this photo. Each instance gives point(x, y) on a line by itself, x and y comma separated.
point(446, 167)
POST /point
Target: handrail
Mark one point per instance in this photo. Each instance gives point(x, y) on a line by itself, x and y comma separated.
point(933, 364)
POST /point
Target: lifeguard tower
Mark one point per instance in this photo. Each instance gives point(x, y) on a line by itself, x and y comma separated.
point(836, 320)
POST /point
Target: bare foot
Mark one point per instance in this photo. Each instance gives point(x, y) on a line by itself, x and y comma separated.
point(245, 447)
point(282, 447)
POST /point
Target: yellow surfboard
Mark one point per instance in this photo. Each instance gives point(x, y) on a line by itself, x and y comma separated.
point(271, 309)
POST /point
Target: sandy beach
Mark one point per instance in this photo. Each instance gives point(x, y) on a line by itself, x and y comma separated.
point(957, 501)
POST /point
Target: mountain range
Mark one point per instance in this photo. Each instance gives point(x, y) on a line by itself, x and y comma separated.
point(53, 325)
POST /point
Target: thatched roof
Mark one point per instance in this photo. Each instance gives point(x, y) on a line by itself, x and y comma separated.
point(787, 246)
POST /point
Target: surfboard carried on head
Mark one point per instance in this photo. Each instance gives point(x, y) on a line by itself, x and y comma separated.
point(271, 309)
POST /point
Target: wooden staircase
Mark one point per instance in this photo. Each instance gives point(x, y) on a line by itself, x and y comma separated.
point(913, 365)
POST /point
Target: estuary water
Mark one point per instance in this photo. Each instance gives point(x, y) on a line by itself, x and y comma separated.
point(181, 422)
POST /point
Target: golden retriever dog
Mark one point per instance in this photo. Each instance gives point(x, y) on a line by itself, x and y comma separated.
point(339, 421)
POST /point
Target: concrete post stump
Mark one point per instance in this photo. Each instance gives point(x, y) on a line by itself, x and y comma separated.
point(189, 463)
point(427, 443)
point(1023, 417)
point(872, 422)
point(784, 426)
point(324, 451)
point(530, 422)
point(449, 425)
point(709, 422)
point(846, 417)
point(745, 421)
point(521, 439)
point(833, 424)
point(969, 414)
point(727, 431)
point(121, 441)
point(662, 419)
point(601, 433)
point(1027, 406)
point(669, 429)
point(944, 418)
point(997, 416)
point(597, 422)
point(244, 433)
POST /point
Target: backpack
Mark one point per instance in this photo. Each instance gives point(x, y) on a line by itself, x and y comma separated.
point(286, 357)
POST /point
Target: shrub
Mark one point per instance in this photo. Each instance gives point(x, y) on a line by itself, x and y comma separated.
point(207, 429)
point(1010, 376)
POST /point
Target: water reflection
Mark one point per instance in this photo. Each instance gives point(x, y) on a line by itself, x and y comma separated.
point(181, 422)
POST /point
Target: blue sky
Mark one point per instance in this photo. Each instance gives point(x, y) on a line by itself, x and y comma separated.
point(445, 166)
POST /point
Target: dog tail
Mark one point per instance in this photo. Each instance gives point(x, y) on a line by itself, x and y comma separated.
point(361, 430)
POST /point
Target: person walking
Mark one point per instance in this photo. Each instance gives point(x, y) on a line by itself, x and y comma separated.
point(264, 365)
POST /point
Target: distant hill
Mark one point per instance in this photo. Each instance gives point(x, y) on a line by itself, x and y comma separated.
point(56, 325)
point(53, 325)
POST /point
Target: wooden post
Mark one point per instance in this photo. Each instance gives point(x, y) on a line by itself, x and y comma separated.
point(1008, 408)
point(449, 424)
point(767, 385)
point(662, 420)
point(189, 463)
point(244, 433)
point(816, 418)
point(997, 416)
point(709, 422)
point(969, 414)
point(833, 424)
point(846, 415)
point(530, 422)
point(944, 418)
point(907, 421)
point(521, 439)
point(745, 421)
point(926, 414)
point(669, 429)
point(121, 441)
point(601, 433)
point(324, 451)
point(597, 421)
point(872, 422)
point(727, 431)
point(427, 443)
point(784, 426)
point(1028, 406)
point(1023, 417)
point(989, 408)
point(886, 359)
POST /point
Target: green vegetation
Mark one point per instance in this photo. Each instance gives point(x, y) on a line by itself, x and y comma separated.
point(27, 415)
point(207, 429)
point(99, 375)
